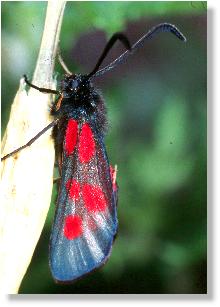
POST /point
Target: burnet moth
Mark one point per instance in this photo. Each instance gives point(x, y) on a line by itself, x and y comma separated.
point(85, 222)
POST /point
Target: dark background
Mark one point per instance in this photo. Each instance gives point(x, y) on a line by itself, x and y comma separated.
point(157, 137)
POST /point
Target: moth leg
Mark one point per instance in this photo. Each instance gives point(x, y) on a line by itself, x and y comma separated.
point(56, 180)
point(40, 89)
point(62, 63)
point(31, 140)
point(57, 166)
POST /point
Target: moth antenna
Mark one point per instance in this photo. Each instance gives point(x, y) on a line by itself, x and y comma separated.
point(117, 36)
point(163, 27)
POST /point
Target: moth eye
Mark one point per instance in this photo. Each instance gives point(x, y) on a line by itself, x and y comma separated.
point(74, 84)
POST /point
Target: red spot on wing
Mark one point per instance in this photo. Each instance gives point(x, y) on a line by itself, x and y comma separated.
point(72, 227)
point(73, 187)
point(71, 136)
point(94, 198)
point(86, 144)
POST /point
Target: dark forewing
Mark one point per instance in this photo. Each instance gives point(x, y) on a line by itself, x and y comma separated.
point(85, 221)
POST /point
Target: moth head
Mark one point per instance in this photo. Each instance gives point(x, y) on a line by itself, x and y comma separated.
point(74, 86)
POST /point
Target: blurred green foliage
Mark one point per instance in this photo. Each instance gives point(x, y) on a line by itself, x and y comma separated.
point(157, 137)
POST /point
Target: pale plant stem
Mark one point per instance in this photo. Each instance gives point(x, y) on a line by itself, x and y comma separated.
point(27, 177)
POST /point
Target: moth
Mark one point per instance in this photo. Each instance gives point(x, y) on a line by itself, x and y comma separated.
point(85, 222)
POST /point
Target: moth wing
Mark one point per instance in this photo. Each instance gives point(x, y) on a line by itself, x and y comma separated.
point(86, 220)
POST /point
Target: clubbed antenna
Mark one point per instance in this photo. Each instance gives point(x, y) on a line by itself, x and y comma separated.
point(117, 36)
point(163, 27)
